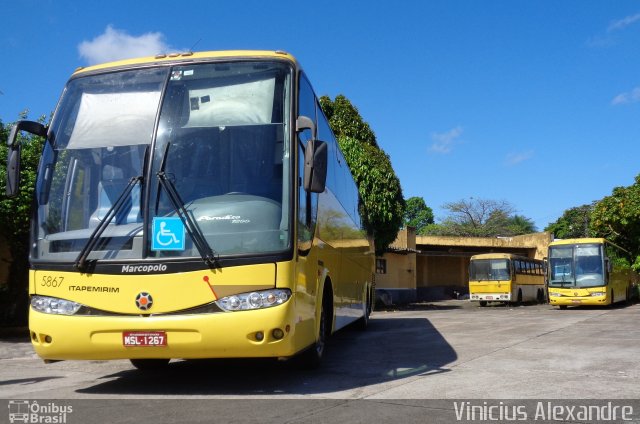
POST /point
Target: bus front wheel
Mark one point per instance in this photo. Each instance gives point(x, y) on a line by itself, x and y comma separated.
point(518, 301)
point(363, 322)
point(312, 357)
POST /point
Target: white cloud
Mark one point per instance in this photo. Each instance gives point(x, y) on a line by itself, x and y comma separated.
point(632, 96)
point(609, 38)
point(624, 22)
point(443, 142)
point(516, 158)
point(115, 44)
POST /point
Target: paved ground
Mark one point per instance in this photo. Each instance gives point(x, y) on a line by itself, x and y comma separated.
point(449, 350)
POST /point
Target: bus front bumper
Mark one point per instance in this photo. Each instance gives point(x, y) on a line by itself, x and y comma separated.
point(557, 299)
point(490, 297)
point(240, 334)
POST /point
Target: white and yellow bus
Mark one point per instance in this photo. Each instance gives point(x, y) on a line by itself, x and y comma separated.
point(506, 278)
point(192, 205)
point(584, 272)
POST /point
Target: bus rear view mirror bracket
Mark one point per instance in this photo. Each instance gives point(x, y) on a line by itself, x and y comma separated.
point(13, 157)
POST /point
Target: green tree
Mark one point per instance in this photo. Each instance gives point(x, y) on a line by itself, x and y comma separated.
point(574, 223)
point(418, 214)
point(518, 224)
point(15, 218)
point(481, 218)
point(617, 218)
point(345, 120)
point(379, 187)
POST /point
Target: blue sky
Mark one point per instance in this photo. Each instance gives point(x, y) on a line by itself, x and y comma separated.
point(532, 102)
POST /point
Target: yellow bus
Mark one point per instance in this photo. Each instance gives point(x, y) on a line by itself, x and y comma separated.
point(193, 205)
point(506, 278)
point(585, 272)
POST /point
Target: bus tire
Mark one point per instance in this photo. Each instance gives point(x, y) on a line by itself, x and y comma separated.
point(518, 301)
point(483, 303)
point(540, 296)
point(311, 358)
point(149, 364)
point(363, 322)
point(562, 307)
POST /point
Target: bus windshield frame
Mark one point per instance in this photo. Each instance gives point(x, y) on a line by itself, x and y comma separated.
point(490, 270)
point(577, 266)
point(218, 131)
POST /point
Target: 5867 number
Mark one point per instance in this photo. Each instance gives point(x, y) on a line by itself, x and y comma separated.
point(51, 281)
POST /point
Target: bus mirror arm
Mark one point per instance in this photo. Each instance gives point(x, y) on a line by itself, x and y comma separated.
point(315, 166)
point(35, 128)
point(305, 123)
point(13, 156)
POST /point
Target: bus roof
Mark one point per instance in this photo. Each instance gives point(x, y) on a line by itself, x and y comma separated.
point(593, 240)
point(188, 57)
point(500, 256)
point(586, 240)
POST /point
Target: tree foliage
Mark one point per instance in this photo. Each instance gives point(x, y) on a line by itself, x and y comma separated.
point(418, 214)
point(345, 120)
point(15, 218)
point(574, 223)
point(481, 218)
point(617, 218)
point(379, 187)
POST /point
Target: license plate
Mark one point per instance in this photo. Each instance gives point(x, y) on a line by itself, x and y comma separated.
point(144, 339)
point(489, 297)
point(576, 301)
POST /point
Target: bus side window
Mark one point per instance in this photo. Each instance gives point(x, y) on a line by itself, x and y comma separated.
point(307, 202)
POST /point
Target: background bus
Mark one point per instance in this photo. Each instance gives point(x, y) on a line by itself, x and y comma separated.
point(588, 271)
point(193, 205)
point(505, 277)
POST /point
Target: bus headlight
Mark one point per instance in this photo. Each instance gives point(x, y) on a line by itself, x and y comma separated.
point(254, 300)
point(52, 305)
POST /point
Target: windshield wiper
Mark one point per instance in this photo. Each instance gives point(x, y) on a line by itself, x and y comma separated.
point(208, 255)
point(92, 241)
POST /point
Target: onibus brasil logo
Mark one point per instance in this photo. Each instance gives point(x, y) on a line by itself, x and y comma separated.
point(25, 411)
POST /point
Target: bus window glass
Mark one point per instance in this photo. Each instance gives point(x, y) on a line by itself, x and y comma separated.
point(561, 265)
point(221, 142)
point(489, 269)
point(588, 259)
point(96, 151)
point(306, 201)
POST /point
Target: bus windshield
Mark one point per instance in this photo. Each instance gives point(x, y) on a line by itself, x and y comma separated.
point(489, 269)
point(217, 132)
point(576, 266)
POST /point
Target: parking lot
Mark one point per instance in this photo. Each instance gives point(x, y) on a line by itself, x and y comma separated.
point(440, 350)
point(449, 349)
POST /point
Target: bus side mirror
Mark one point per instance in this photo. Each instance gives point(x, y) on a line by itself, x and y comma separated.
point(315, 157)
point(315, 166)
point(13, 156)
point(13, 171)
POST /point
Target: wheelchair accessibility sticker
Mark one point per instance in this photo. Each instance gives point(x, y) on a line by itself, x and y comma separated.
point(168, 234)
